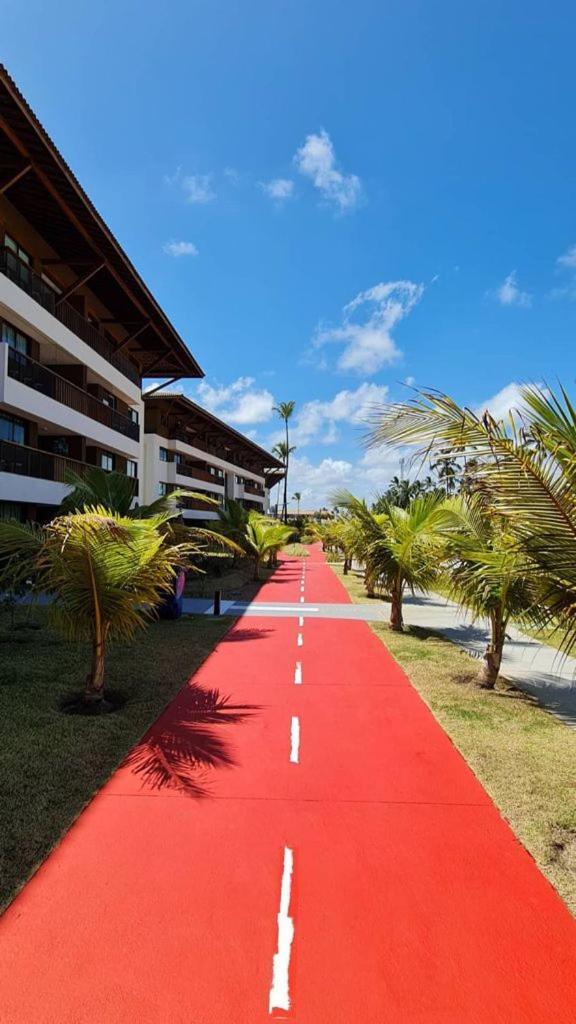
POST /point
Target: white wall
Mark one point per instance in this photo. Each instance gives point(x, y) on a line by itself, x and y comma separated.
point(36, 406)
point(24, 312)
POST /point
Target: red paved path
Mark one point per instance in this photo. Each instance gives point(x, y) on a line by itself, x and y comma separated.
point(412, 902)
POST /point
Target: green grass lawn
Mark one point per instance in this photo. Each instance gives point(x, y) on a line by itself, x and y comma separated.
point(522, 755)
point(51, 764)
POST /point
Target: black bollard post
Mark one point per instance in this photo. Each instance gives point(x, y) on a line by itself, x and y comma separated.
point(217, 601)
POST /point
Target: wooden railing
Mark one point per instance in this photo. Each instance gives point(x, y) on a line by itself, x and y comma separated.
point(24, 461)
point(32, 283)
point(28, 371)
point(251, 488)
point(198, 473)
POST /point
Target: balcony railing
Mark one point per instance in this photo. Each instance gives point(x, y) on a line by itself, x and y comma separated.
point(198, 473)
point(34, 285)
point(254, 489)
point(24, 461)
point(39, 377)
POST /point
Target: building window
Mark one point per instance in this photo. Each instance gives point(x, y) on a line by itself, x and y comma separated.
point(18, 251)
point(15, 339)
point(163, 455)
point(133, 415)
point(163, 489)
point(239, 479)
point(107, 460)
point(131, 468)
point(12, 429)
point(178, 458)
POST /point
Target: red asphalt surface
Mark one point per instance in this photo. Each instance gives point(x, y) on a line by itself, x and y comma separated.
point(412, 902)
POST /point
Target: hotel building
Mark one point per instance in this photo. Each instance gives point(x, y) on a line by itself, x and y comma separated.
point(79, 330)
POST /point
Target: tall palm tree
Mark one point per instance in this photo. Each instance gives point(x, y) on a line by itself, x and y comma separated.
point(105, 572)
point(283, 452)
point(400, 547)
point(285, 411)
point(527, 465)
point(297, 497)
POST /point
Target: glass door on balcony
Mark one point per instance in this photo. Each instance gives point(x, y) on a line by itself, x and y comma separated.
point(12, 429)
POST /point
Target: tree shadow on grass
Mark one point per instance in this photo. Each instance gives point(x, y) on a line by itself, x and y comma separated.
point(186, 745)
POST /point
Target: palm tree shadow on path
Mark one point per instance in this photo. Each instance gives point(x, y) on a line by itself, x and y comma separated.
point(186, 744)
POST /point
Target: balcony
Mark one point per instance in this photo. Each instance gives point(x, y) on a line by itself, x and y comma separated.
point(32, 462)
point(198, 473)
point(34, 375)
point(32, 283)
point(252, 488)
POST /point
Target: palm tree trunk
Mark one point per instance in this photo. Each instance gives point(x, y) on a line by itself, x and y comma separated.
point(492, 659)
point(346, 566)
point(95, 680)
point(396, 617)
point(285, 516)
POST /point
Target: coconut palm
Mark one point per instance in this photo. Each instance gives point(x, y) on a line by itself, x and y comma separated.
point(285, 411)
point(105, 572)
point(264, 539)
point(283, 452)
point(297, 497)
point(488, 574)
point(400, 547)
point(527, 465)
point(113, 491)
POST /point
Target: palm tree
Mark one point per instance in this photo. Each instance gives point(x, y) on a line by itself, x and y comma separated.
point(399, 547)
point(265, 538)
point(297, 497)
point(113, 491)
point(106, 573)
point(285, 411)
point(487, 573)
point(527, 466)
point(283, 452)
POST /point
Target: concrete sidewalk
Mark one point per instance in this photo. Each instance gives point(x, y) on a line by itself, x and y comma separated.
point(534, 667)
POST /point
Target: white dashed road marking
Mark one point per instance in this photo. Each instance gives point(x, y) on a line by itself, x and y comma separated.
point(295, 740)
point(298, 674)
point(280, 987)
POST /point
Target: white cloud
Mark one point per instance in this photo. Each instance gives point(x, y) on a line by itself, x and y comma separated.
point(239, 402)
point(500, 405)
point(318, 420)
point(232, 175)
point(176, 249)
point(278, 189)
point(316, 160)
point(509, 294)
point(567, 262)
point(568, 259)
point(198, 188)
point(366, 477)
point(367, 325)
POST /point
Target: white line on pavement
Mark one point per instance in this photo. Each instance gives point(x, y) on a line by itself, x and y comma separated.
point(300, 640)
point(301, 621)
point(295, 740)
point(298, 674)
point(280, 987)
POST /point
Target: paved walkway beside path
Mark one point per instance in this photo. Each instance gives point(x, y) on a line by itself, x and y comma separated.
point(314, 850)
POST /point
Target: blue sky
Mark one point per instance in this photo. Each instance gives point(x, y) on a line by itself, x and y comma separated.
point(328, 199)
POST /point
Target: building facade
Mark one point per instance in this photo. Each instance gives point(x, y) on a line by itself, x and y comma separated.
point(187, 448)
point(79, 330)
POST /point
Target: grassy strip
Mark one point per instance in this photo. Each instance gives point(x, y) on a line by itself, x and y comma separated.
point(51, 764)
point(522, 755)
